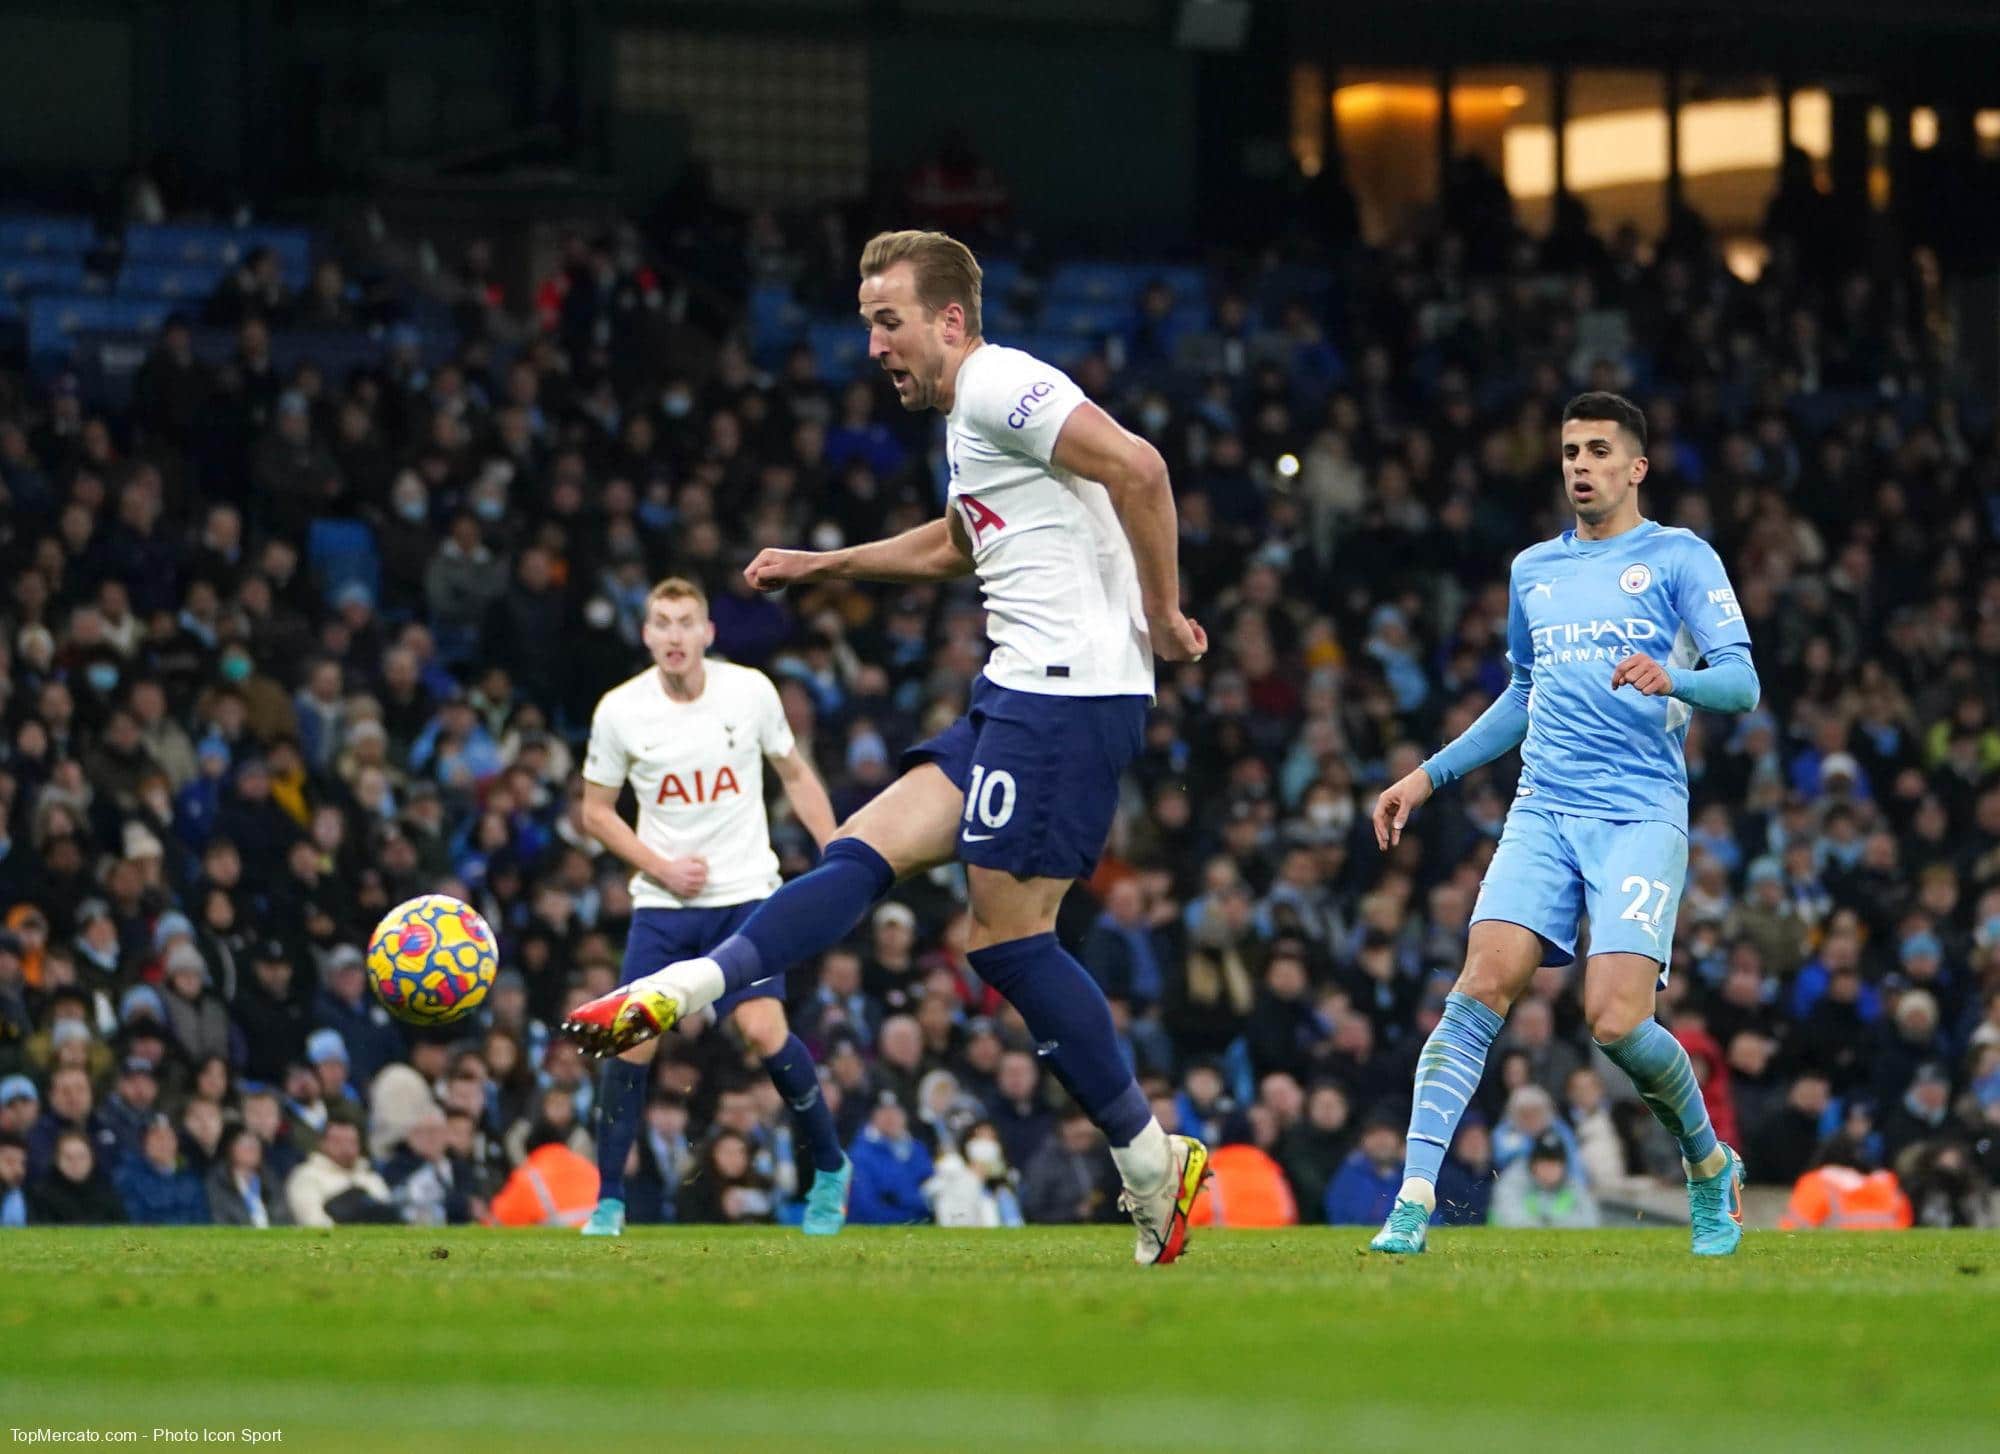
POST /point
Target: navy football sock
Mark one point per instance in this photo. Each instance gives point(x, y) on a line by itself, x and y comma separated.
point(1067, 1014)
point(793, 1073)
point(812, 913)
point(620, 1092)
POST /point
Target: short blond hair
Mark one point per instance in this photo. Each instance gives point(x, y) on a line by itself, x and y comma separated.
point(946, 271)
point(677, 588)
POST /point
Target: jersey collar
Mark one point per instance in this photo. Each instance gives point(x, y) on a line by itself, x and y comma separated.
point(1576, 545)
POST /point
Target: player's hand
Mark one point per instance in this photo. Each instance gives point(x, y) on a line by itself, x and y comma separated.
point(1177, 637)
point(1641, 671)
point(1398, 801)
point(685, 877)
point(773, 570)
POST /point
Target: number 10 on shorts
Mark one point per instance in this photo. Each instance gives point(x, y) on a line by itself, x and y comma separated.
point(991, 797)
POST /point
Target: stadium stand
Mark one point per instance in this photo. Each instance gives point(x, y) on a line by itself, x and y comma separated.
point(237, 663)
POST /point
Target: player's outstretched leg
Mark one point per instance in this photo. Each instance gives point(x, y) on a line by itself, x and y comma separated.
point(620, 1095)
point(1618, 990)
point(1068, 1016)
point(909, 827)
point(1500, 958)
point(790, 1066)
point(810, 914)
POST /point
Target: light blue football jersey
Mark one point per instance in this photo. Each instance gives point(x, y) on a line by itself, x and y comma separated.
point(1580, 606)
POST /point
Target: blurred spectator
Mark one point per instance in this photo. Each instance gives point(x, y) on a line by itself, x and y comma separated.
point(1541, 1190)
point(242, 1191)
point(336, 1185)
point(1071, 1178)
point(1362, 1190)
point(156, 1186)
point(73, 1192)
point(890, 1168)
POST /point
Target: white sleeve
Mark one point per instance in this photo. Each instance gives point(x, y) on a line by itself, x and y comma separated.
point(607, 761)
point(1022, 407)
point(774, 733)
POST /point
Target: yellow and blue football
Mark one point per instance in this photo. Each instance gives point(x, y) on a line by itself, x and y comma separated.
point(432, 960)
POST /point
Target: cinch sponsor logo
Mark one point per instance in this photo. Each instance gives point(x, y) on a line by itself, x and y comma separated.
point(1025, 406)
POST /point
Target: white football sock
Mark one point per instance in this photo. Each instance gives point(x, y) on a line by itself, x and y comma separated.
point(1147, 1162)
point(696, 983)
point(1710, 1165)
point(1416, 1189)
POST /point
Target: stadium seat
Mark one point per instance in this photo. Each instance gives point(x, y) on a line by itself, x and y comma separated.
point(54, 319)
point(54, 236)
point(221, 247)
point(341, 553)
point(24, 273)
point(185, 283)
point(840, 350)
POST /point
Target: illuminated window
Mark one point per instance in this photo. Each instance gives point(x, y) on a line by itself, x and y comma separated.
point(1986, 126)
point(1616, 144)
point(1387, 123)
point(1923, 128)
point(1307, 128)
point(1493, 108)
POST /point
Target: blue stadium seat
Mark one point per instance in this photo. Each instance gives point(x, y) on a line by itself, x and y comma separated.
point(1085, 320)
point(25, 273)
point(54, 236)
point(1097, 282)
point(997, 277)
point(341, 553)
point(840, 350)
point(183, 282)
point(198, 244)
point(1064, 350)
point(54, 319)
point(775, 322)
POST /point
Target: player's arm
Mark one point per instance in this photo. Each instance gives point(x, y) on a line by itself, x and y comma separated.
point(935, 551)
point(683, 877)
point(1727, 684)
point(1495, 732)
point(806, 793)
point(1094, 446)
point(1707, 605)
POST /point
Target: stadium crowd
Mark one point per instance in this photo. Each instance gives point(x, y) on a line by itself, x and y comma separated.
point(219, 769)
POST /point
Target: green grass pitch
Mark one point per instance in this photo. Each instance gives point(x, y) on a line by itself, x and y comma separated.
point(700, 1339)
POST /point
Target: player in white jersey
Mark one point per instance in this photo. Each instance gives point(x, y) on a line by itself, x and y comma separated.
point(692, 736)
point(1068, 521)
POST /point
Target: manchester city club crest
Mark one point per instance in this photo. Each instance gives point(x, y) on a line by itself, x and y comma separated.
point(1635, 579)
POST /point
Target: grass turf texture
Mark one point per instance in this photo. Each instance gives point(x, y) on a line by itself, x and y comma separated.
point(699, 1339)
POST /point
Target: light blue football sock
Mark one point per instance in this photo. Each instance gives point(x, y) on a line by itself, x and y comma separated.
point(1664, 1077)
point(1448, 1075)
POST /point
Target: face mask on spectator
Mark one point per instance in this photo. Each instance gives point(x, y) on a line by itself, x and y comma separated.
point(677, 406)
point(1330, 812)
point(489, 508)
point(413, 509)
point(102, 676)
point(235, 668)
point(597, 615)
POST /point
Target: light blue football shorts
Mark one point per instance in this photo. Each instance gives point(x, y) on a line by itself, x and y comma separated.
point(1551, 869)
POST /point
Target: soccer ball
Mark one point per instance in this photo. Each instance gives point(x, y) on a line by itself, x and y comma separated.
point(432, 960)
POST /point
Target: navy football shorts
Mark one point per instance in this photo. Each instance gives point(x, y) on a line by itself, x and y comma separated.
point(1040, 776)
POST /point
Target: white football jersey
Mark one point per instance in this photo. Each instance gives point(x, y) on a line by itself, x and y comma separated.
point(1062, 594)
point(697, 769)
